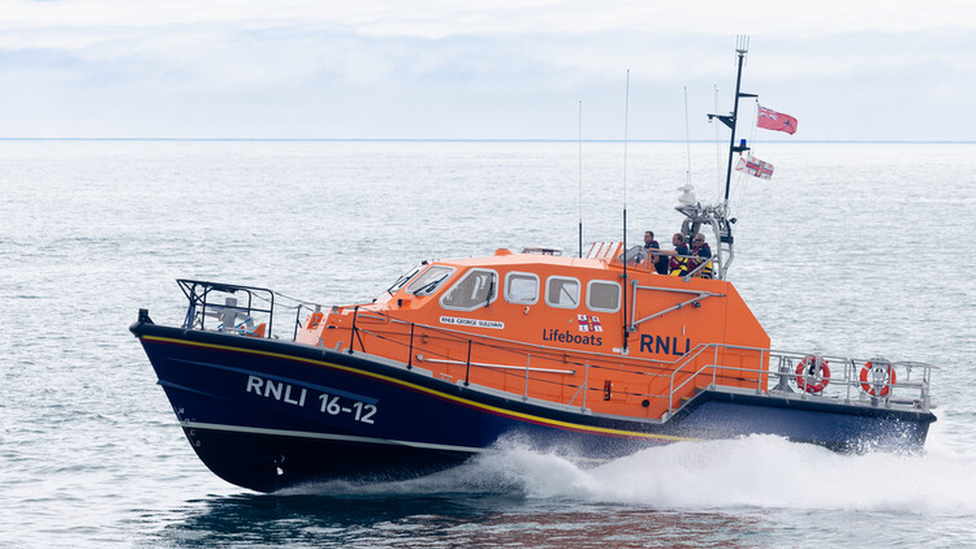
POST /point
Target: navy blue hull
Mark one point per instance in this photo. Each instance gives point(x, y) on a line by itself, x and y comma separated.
point(266, 414)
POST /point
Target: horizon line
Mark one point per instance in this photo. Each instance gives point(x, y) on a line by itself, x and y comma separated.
point(485, 140)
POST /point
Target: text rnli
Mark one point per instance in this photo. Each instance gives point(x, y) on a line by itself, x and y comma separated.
point(663, 345)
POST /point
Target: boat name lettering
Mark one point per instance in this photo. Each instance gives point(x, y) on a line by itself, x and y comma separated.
point(297, 396)
point(476, 322)
point(278, 390)
point(360, 411)
point(663, 345)
point(552, 334)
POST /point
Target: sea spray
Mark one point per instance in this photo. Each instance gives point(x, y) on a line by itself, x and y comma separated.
point(758, 471)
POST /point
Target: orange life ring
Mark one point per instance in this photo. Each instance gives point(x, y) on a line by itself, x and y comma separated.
point(816, 367)
point(882, 366)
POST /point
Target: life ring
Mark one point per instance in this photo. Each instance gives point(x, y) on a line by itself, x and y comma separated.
point(813, 367)
point(877, 379)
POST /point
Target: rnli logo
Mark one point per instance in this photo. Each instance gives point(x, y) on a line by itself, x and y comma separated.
point(589, 323)
point(664, 345)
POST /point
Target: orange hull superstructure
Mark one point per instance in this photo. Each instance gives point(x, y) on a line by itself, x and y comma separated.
point(552, 328)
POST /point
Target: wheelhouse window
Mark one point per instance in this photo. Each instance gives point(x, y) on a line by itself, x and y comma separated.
point(431, 279)
point(603, 296)
point(477, 288)
point(522, 288)
point(406, 277)
point(562, 292)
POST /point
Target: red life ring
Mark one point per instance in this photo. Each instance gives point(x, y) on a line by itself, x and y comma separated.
point(813, 367)
point(882, 368)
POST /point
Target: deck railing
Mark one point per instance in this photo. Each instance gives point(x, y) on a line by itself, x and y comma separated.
point(228, 307)
point(849, 380)
point(705, 366)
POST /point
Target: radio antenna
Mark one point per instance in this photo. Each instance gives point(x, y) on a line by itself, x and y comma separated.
point(687, 137)
point(718, 148)
point(626, 118)
point(581, 179)
point(741, 49)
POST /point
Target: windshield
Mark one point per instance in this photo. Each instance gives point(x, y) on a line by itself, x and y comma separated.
point(428, 282)
point(402, 281)
point(475, 289)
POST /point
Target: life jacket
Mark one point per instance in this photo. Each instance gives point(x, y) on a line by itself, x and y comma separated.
point(679, 265)
point(706, 271)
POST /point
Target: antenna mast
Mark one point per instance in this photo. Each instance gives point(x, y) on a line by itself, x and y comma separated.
point(741, 49)
point(581, 179)
point(626, 118)
point(687, 138)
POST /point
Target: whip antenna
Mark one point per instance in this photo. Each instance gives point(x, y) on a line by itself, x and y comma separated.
point(581, 179)
point(718, 149)
point(687, 137)
point(626, 118)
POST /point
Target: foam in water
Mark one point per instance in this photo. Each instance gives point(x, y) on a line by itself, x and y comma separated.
point(758, 471)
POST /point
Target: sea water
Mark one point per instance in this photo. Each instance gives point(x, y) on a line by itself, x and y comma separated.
point(858, 249)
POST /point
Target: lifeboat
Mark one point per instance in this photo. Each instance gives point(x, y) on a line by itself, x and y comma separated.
point(595, 357)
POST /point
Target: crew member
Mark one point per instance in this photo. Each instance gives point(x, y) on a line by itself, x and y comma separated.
point(659, 262)
point(702, 254)
point(678, 265)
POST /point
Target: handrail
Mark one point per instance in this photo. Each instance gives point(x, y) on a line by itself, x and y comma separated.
point(198, 293)
point(849, 378)
point(500, 366)
point(649, 362)
point(680, 377)
point(702, 295)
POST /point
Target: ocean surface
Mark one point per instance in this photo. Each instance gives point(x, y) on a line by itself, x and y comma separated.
point(856, 249)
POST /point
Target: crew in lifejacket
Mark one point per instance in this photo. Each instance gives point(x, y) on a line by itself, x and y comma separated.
point(701, 251)
point(679, 256)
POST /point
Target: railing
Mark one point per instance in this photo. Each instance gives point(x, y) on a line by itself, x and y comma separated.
point(551, 372)
point(637, 257)
point(564, 376)
point(874, 382)
point(222, 303)
point(245, 310)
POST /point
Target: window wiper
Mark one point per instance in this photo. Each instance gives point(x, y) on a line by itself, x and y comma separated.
point(399, 282)
point(430, 285)
point(569, 295)
point(491, 289)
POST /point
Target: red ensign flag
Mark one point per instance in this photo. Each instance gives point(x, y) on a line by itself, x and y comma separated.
point(772, 120)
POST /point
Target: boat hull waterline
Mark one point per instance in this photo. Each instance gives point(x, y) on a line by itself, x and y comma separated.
point(267, 414)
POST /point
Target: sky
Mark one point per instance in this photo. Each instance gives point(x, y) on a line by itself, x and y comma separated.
point(453, 69)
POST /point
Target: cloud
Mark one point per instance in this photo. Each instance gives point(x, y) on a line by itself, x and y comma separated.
point(437, 69)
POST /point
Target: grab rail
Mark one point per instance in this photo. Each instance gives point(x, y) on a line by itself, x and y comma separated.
point(832, 387)
point(202, 294)
point(844, 385)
